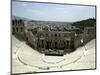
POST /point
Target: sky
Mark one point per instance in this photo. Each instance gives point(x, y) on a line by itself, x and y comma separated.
point(52, 12)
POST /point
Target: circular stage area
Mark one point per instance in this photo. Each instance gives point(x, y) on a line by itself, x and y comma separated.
point(26, 59)
point(32, 58)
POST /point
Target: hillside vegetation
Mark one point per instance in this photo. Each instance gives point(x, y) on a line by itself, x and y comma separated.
point(85, 23)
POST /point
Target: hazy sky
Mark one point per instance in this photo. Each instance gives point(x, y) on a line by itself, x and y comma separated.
point(52, 12)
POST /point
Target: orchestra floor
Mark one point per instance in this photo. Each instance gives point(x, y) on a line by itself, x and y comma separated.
point(27, 60)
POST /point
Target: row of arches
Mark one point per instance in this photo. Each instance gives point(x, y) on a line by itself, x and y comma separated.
point(67, 44)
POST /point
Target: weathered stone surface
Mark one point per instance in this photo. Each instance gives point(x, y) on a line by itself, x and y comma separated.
point(26, 59)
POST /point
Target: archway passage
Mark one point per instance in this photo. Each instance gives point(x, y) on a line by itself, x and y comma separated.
point(56, 48)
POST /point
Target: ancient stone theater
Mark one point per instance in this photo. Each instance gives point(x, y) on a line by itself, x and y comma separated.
point(51, 40)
